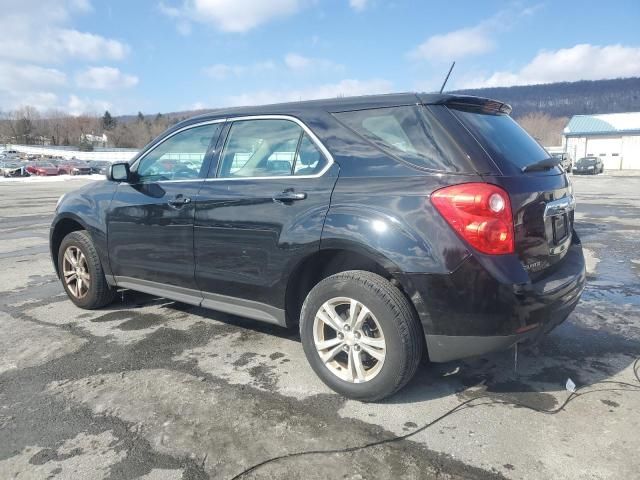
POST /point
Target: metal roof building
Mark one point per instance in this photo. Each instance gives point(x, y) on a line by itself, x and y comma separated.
point(614, 137)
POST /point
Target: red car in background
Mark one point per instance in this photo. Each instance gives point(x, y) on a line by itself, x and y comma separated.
point(74, 168)
point(42, 169)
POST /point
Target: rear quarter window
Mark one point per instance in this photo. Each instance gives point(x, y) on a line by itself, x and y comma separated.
point(502, 137)
point(409, 133)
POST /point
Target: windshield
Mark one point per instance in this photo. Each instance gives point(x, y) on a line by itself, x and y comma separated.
point(587, 161)
point(502, 137)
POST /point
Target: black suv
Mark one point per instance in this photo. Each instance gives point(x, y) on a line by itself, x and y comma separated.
point(390, 228)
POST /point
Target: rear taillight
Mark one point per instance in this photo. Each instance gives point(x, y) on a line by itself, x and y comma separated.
point(480, 213)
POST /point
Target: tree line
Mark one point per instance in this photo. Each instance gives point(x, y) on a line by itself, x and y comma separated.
point(543, 110)
point(27, 126)
point(564, 99)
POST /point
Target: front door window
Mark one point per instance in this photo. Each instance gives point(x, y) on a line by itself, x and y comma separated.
point(179, 157)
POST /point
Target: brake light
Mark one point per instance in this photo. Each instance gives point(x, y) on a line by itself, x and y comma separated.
point(480, 213)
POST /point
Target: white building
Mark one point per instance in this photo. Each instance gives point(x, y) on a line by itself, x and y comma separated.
point(614, 137)
point(95, 140)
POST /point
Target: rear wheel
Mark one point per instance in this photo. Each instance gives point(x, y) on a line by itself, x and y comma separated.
point(81, 272)
point(360, 335)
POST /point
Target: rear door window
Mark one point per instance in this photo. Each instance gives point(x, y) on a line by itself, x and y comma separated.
point(309, 160)
point(260, 148)
point(408, 133)
point(269, 148)
point(502, 137)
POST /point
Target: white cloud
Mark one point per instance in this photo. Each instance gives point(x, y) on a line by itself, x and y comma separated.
point(581, 62)
point(105, 78)
point(347, 87)
point(297, 62)
point(476, 40)
point(292, 61)
point(89, 46)
point(455, 45)
point(43, 100)
point(36, 39)
point(358, 5)
point(78, 106)
point(300, 63)
point(22, 78)
point(33, 33)
point(222, 71)
point(231, 15)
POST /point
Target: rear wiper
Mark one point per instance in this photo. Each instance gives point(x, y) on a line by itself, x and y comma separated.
point(544, 164)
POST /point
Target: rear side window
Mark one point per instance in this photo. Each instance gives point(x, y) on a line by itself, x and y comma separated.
point(502, 137)
point(407, 133)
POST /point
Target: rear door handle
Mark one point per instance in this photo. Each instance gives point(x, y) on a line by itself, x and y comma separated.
point(289, 196)
point(179, 201)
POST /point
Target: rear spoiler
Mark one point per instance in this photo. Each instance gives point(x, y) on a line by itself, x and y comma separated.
point(466, 102)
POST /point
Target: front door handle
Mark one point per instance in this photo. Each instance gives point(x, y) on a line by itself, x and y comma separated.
point(179, 201)
point(289, 196)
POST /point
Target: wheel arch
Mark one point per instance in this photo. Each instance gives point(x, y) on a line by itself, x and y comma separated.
point(329, 261)
point(63, 226)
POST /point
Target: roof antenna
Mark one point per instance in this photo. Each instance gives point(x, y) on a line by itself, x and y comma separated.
point(447, 77)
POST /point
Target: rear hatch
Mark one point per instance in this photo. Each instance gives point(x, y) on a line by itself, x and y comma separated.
point(540, 192)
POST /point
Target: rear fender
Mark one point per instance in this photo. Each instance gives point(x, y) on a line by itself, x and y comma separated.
point(379, 236)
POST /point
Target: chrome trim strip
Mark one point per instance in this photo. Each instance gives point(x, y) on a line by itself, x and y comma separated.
point(562, 205)
point(307, 130)
point(223, 303)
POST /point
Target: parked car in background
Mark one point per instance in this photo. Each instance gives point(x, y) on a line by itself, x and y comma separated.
point(99, 166)
point(42, 168)
point(388, 228)
point(589, 165)
point(74, 167)
point(12, 169)
point(565, 161)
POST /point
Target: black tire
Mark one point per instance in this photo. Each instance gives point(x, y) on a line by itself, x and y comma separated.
point(397, 319)
point(99, 293)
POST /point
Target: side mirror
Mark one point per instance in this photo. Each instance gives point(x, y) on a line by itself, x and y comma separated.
point(118, 172)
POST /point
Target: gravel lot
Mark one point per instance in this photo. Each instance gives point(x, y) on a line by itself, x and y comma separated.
point(154, 389)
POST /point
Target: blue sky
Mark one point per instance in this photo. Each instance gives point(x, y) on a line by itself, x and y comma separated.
point(158, 56)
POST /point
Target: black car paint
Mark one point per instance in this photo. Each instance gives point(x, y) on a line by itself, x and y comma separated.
point(367, 203)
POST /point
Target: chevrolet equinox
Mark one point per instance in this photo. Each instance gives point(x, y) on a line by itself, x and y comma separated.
point(390, 228)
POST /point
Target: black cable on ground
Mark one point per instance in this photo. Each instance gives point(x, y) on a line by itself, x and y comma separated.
point(628, 387)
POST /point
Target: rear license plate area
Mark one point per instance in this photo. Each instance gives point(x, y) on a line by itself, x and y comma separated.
point(560, 229)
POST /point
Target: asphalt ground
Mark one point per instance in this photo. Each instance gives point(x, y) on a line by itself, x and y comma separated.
point(150, 388)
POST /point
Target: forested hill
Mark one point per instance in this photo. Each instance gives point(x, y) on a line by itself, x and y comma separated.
point(568, 98)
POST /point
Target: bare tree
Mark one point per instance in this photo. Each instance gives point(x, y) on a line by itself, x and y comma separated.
point(543, 127)
point(56, 127)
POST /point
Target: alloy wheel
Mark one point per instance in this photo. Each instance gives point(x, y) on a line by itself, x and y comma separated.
point(349, 340)
point(76, 272)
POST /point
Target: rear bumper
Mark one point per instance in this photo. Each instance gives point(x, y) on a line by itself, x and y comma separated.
point(469, 312)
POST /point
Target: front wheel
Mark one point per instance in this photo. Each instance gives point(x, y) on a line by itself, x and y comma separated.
point(81, 272)
point(361, 335)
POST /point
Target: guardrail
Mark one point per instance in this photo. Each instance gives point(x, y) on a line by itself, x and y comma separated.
point(114, 155)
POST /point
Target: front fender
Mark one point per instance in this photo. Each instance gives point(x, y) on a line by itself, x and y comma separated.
point(86, 207)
